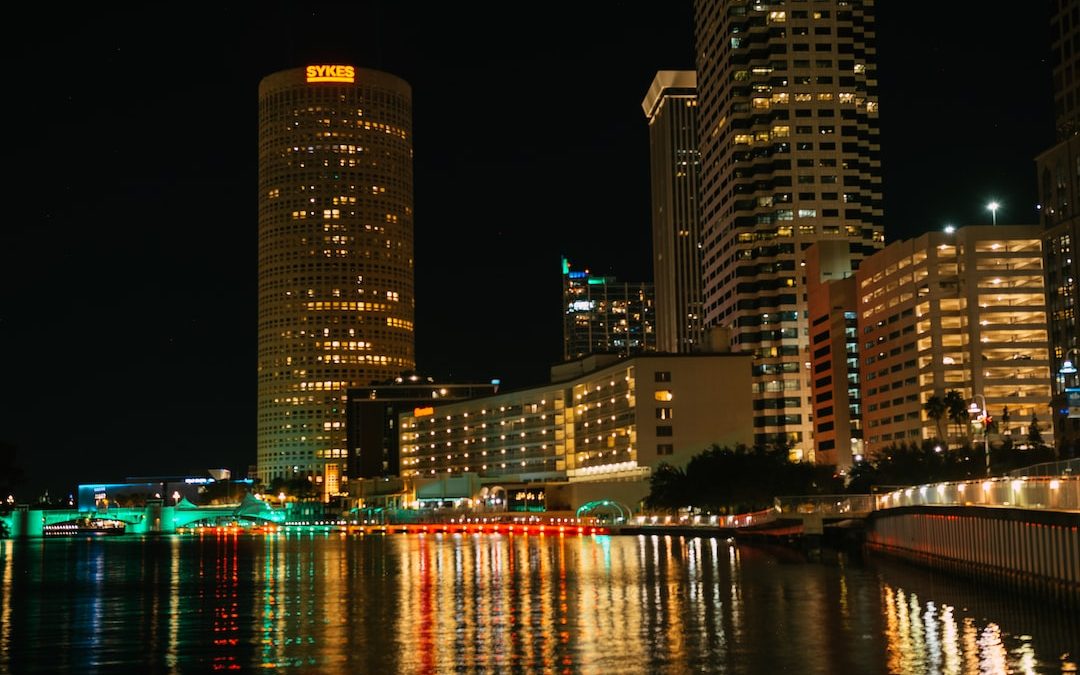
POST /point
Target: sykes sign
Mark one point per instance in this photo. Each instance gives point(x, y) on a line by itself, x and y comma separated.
point(331, 74)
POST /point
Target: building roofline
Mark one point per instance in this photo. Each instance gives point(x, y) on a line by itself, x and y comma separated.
point(664, 81)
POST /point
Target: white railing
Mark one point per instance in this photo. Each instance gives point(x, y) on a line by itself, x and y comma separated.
point(1060, 493)
point(1064, 467)
point(683, 520)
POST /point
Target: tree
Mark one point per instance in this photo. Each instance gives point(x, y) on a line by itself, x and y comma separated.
point(667, 488)
point(724, 480)
point(935, 410)
point(957, 411)
point(914, 465)
point(1034, 438)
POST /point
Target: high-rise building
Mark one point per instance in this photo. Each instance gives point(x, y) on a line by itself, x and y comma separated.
point(834, 358)
point(1065, 61)
point(788, 132)
point(335, 258)
point(963, 311)
point(602, 315)
point(671, 108)
point(1059, 189)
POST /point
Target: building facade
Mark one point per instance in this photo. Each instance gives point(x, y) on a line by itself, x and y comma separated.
point(373, 434)
point(671, 109)
point(336, 299)
point(1058, 171)
point(788, 132)
point(834, 357)
point(962, 311)
point(602, 315)
point(602, 430)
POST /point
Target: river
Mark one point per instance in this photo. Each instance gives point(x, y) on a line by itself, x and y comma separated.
point(490, 603)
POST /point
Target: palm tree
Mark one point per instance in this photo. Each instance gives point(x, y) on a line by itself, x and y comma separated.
point(957, 411)
point(935, 410)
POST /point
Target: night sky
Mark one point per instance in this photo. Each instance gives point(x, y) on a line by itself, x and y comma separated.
point(129, 263)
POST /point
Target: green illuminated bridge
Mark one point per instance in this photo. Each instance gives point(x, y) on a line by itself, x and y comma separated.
point(154, 518)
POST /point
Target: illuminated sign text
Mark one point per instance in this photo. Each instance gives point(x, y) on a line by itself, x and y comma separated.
point(423, 412)
point(331, 74)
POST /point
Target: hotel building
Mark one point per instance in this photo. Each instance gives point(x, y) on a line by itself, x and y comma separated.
point(671, 108)
point(962, 311)
point(788, 133)
point(1059, 189)
point(336, 303)
point(373, 418)
point(602, 315)
point(596, 431)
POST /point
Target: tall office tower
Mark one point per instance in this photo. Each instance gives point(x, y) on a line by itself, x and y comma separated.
point(602, 315)
point(1059, 190)
point(335, 258)
point(1065, 61)
point(788, 129)
point(671, 108)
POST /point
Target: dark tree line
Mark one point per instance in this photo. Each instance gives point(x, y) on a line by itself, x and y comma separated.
point(724, 480)
point(930, 462)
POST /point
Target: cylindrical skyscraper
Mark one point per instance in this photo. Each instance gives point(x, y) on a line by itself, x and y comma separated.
point(336, 296)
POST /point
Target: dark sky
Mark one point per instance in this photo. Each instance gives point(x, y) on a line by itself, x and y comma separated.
point(128, 303)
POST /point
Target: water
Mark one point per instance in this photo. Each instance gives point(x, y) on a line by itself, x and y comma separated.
point(502, 604)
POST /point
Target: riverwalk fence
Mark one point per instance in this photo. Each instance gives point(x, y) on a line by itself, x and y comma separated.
point(1063, 467)
point(1058, 493)
point(783, 508)
point(1036, 550)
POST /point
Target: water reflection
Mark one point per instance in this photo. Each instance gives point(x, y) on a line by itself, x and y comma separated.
point(939, 637)
point(501, 603)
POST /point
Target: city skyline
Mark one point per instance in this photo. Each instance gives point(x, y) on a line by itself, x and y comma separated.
point(114, 300)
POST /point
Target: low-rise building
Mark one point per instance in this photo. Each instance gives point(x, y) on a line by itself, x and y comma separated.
point(596, 432)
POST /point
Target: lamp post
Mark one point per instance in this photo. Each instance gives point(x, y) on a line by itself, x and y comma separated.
point(1067, 371)
point(993, 207)
point(1067, 366)
point(975, 409)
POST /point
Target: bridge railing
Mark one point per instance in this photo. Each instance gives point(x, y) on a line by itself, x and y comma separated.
point(825, 505)
point(1043, 492)
point(1063, 467)
point(706, 521)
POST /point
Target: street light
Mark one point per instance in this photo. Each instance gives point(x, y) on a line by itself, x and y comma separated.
point(974, 409)
point(993, 206)
point(1067, 367)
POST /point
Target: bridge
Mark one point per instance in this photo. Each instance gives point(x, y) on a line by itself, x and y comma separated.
point(1021, 530)
point(153, 518)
